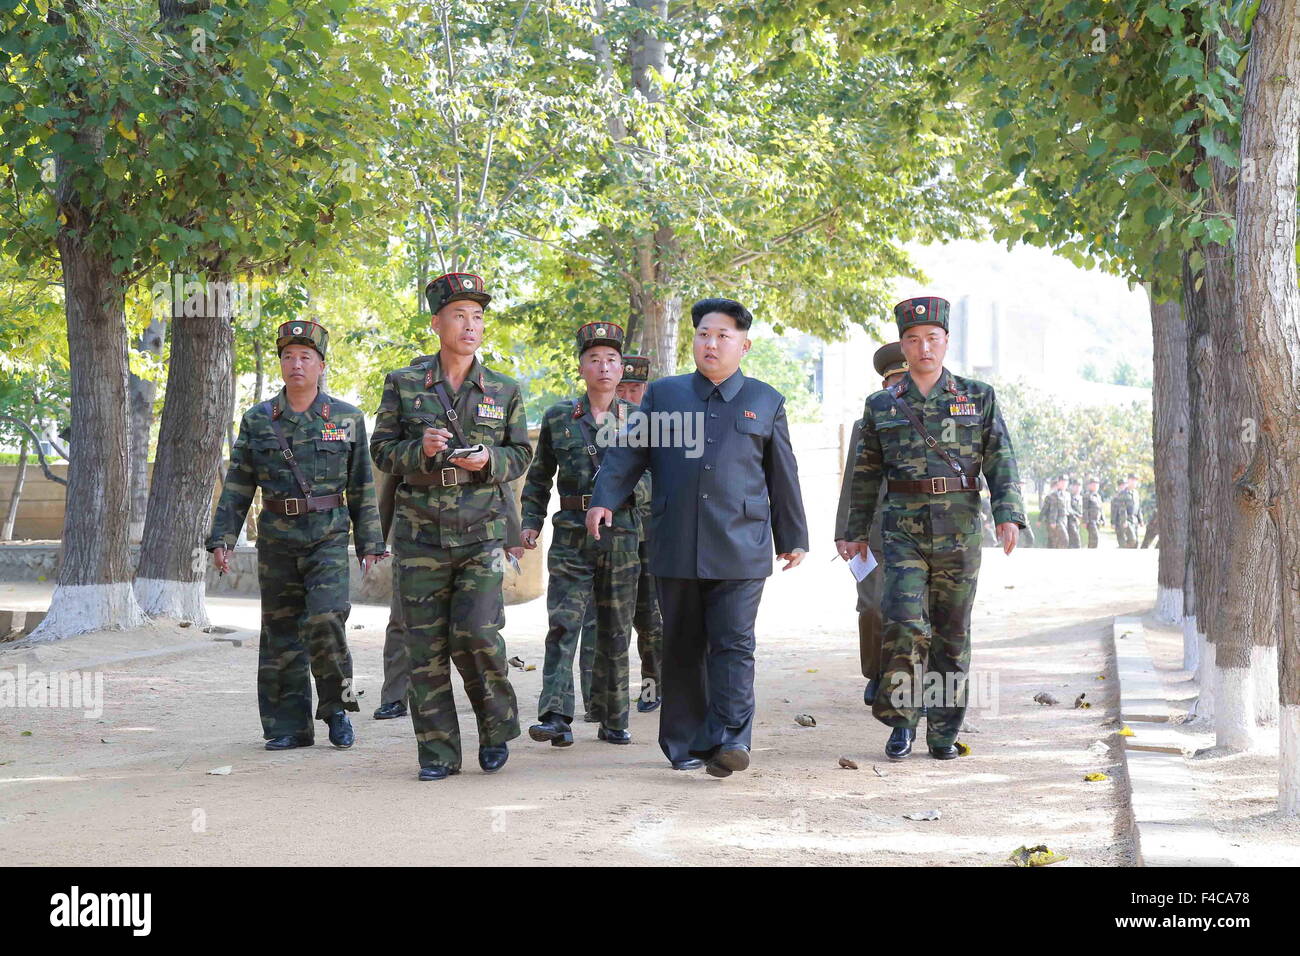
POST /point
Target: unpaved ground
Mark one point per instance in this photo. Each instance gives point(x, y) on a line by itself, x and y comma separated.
point(132, 787)
point(1239, 790)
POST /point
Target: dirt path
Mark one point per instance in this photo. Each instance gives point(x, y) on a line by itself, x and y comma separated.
point(132, 787)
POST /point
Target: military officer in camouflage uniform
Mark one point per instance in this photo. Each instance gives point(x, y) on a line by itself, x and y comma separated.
point(647, 620)
point(931, 522)
point(1075, 491)
point(1136, 518)
point(583, 570)
point(1055, 508)
point(1093, 516)
point(890, 366)
point(397, 663)
point(1122, 515)
point(307, 452)
point(454, 430)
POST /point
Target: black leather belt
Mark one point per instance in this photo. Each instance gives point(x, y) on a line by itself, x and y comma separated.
point(575, 502)
point(936, 486)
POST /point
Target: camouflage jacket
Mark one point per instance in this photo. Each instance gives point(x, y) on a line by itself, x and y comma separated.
point(1092, 513)
point(1076, 507)
point(490, 409)
point(1055, 507)
point(1122, 507)
point(328, 442)
point(562, 454)
point(962, 415)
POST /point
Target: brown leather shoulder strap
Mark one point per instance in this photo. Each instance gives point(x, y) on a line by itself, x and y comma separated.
point(930, 442)
point(443, 398)
point(287, 451)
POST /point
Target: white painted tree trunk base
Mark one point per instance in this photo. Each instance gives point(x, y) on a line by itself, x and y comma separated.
point(81, 608)
point(176, 600)
point(1234, 716)
point(1263, 671)
point(1207, 681)
point(1169, 605)
point(1191, 644)
point(1288, 761)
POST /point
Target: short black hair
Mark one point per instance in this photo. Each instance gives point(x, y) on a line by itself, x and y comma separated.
point(727, 307)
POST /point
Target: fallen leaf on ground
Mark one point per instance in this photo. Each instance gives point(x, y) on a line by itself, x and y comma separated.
point(25, 733)
point(922, 815)
point(805, 720)
point(1043, 697)
point(1079, 702)
point(1095, 777)
point(848, 764)
point(516, 661)
point(811, 670)
point(1039, 855)
point(530, 667)
point(879, 772)
point(220, 771)
point(1125, 732)
point(968, 728)
point(963, 750)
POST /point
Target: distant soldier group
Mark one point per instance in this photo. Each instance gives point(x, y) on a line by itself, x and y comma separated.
point(1067, 509)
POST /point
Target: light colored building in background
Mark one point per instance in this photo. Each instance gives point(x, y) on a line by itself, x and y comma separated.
point(1020, 314)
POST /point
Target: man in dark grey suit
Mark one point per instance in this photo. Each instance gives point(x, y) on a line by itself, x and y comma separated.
point(726, 487)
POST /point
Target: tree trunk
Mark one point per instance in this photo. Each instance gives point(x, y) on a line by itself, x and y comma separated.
point(657, 249)
point(259, 379)
point(1203, 479)
point(1266, 290)
point(142, 392)
point(197, 407)
point(1170, 434)
point(94, 590)
point(11, 514)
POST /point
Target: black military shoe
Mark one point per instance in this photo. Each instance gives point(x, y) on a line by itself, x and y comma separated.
point(944, 753)
point(613, 736)
point(289, 742)
point(341, 735)
point(493, 758)
point(900, 743)
point(690, 763)
point(553, 728)
point(396, 708)
point(436, 772)
point(645, 706)
point(869, 694)
point(727, 760)
point(589, 718)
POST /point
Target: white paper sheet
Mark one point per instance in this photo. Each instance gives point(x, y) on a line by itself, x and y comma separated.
point(860, 566)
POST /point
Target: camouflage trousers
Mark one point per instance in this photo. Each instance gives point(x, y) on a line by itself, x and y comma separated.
point(1093, 536)
point(1072, 532)
point(649, 624)
point(582, 572)
point(1056, 536)
point(304, 615)
point(1126, 533)
point(929, 591)
point(453, 612)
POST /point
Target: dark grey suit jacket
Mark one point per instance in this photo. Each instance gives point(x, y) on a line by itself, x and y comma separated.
point(715, 516)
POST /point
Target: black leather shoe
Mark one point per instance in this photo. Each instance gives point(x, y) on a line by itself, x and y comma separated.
point(555, 729)
point(645, 706)
point(690, 763)
point(944, 753)
point(436, 772)
point(396, 708)
point(613, 736)
point(341, 735)
point(289, 742)
point(493, 758)
point(900, 743)
point(869, 695)
point(727, 760)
